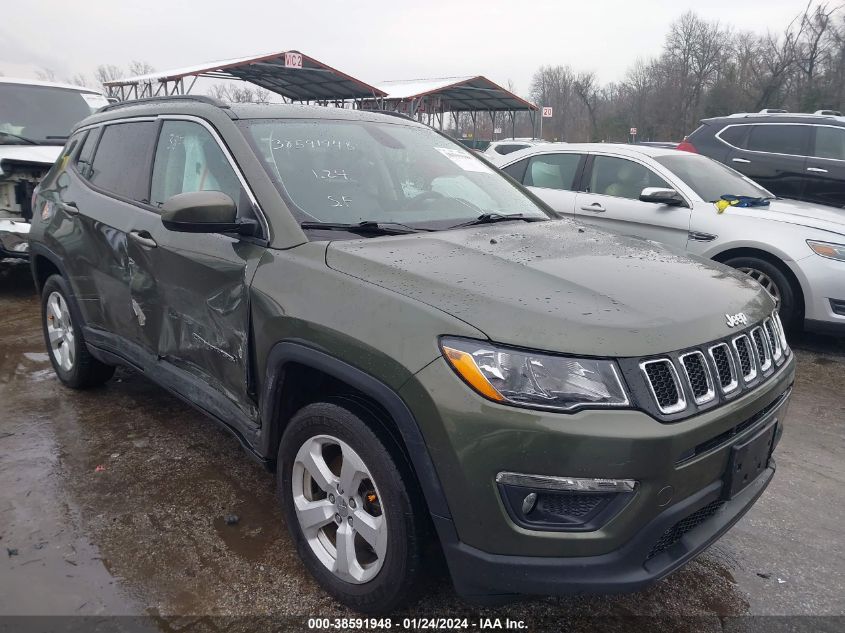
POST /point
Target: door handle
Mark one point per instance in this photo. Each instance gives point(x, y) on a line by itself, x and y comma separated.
point(596, 207)
point(143, 238)
point(817, 170)
point(740, 160)
point(69, 207)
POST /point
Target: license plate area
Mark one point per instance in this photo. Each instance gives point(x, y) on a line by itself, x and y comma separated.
point(749, 459)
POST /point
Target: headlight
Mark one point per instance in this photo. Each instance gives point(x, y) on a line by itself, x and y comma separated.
point(535, 380)
point(826, 249)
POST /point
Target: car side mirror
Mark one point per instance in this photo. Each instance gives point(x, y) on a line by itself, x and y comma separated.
point(661, 196)
point(200, 212)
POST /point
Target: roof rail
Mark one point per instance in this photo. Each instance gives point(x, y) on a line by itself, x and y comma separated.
point(400, 115)
point(169, 98)
point(828, 112)
point(773, 111)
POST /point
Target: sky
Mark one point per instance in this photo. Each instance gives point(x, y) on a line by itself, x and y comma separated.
point(373, 41)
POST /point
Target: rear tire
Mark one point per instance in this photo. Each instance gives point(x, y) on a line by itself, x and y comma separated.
point(379, 522)
point(772, 278)
point(72, 362)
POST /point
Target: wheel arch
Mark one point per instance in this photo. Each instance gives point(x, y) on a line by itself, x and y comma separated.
point(43, 263)
point(774, 260)
point(292, 364)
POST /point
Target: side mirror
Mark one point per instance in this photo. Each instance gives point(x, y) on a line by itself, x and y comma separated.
point(661, 196)
point(200, 212)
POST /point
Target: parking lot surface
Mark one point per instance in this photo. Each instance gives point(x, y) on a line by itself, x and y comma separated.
point(115, 500)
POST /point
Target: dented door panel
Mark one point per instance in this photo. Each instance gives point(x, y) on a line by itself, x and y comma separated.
point(191, 294)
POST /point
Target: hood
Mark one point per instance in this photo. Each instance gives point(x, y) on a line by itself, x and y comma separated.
point(559, 287)
point(41, 154)
point(809, 214)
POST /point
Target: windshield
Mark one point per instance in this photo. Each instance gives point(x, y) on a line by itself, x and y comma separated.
point(42, 114)
point(355, 171)
point(709, 179)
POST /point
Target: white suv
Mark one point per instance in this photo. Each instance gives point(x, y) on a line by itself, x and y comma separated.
point(35, 120)
point(796, 250)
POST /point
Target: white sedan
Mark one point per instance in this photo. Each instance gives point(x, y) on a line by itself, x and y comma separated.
point(796, 250)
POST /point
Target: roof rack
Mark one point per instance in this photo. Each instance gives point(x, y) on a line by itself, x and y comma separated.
point(170, 98)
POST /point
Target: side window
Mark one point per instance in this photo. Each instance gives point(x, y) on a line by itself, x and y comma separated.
point(780, 139)
point(830, 142)
point(121, 163)
point(189, 159)
point(86, 154)
point(622, 178)
point(517, 170)
point(735, 135)
point(552, 171)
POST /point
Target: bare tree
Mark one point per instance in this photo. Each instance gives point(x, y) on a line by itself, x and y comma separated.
point(247, 93)
point(46, 74)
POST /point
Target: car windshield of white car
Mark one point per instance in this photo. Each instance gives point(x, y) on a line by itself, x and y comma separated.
point(710, 180)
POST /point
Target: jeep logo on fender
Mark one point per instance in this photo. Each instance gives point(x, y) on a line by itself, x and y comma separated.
point(736, 319)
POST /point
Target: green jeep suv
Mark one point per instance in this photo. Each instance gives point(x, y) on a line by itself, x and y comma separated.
point(425, 354)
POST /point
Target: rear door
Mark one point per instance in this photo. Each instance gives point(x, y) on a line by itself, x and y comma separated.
point(193, 288)
point(98, 199)
point(826, 166)
point(552, 177)
point(774, 155)
point(611, 200)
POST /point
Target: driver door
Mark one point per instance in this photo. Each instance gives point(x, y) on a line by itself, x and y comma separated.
point(611, 201)
point(191, 290)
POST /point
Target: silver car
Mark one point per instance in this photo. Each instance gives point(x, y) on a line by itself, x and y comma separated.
point(796, 250)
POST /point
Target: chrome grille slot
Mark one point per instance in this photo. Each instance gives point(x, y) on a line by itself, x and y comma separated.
point(698, 377)
point(781, 333)
point(774, 340)
point(764, 351)
point(725, 367)
point(747, 366)
point(662, 379)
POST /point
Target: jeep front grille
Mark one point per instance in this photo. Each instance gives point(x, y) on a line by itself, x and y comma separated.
point(698, 377)
point(725, 367)
point(680, 383)
point(664, 385)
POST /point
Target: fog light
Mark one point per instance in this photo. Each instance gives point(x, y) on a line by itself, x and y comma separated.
point(529, 502)
point(541, 502)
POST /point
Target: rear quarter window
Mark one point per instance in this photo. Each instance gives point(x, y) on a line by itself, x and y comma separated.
point(736, 135)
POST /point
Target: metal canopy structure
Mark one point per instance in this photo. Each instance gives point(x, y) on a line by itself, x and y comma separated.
point(291, 74)
point(432, 98)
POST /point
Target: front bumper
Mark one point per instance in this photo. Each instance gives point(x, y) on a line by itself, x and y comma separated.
point(822, 280)
point(472, 440)
point(482, 576)
point(14, 238)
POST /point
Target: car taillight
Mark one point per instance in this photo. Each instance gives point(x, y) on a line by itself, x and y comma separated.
point(686, 146)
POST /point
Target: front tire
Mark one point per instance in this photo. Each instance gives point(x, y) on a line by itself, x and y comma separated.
point(775, 282)
point(72, 362)
point(356, 523)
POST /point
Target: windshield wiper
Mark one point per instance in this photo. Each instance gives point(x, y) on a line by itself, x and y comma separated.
point(20, 138)
point(367, 226)
point(491, 218)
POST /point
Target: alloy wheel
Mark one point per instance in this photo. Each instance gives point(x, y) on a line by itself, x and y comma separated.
point(339, 509)
point(60, 331)
point(764, 280)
